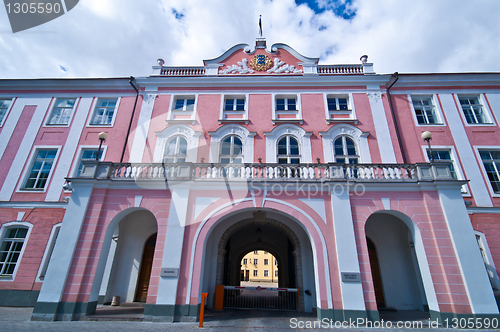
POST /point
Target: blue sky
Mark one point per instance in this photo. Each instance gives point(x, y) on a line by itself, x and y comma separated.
point(119, 38)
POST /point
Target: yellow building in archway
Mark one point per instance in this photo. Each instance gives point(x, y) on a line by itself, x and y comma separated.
point(259, 266)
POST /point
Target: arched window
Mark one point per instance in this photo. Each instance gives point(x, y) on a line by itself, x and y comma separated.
point(345, 150)
point(288, 150)
point(176, 150)
point(231, 150)
point(11, 248)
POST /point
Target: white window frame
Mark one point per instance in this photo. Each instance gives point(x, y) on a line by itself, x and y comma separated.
point(245, 261)
point(189, 134)
point(266, 261)
point(81, 148)
point(266, 273)
point(350, 104)
point(255, 273)
point(231, 156)
point(483, 170)
point(344, 150)
point(288, 155)
point(243, 113)
point(73, 110)
point(47, 254)
point(27, 170)
point(492, 272)
point(482, 100)
point(172, 112)
point(176, 155)
point(454, 159)
point(246, 137)
point(437, 110)
point(300, 134)
point(3, 229)
point(359, 137)
point(297, 112)
point(94, 108)
point(7, 111)
point(255, 261)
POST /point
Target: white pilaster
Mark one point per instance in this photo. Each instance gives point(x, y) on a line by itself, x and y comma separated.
point(142, 128)
point(347, 252)
point(167, 288)
point(64, 249)
point(465, 151)
point(469, 257)
point(382, 128)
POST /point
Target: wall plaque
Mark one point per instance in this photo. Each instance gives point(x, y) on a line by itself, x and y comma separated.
point(169, 272)
point(351, 276)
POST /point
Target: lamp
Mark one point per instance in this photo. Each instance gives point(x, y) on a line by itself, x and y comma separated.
point(427, 136)
point(102, 137)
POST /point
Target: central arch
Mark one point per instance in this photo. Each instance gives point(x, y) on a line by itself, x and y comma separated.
point(284, 237)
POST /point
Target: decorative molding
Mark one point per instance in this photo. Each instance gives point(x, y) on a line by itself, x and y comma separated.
point(282, 67)
point(233, 69)
point(279, 67)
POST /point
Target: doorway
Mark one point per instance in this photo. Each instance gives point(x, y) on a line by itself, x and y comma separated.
point(145, 271)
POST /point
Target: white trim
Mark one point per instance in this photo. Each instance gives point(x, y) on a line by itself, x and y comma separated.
point(191, 136)
point(51, 110)
point(48, 248)
point(438, 112)
point(222, 112)
point(94, 106)
point(298, 105)
point(3, 228)
point(12, 101)
point(492, 271)
point(303, 137)
point(382, 131)
point(142, 127)
point(465, 151)
point(484, 104)
point(76, 161)
point(481, 166)
point(21, 158)
point(350, 105)
point(24, 177)
point(247, 138)
point(359, 137)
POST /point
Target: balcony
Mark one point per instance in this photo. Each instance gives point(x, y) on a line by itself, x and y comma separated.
point(333, 172)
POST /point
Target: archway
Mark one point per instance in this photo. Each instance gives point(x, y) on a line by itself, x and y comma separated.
point(122, 254)
point(260, 229)
point(142, 288)
point(392, 244)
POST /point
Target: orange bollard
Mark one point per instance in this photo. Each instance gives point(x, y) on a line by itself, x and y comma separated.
point(202, 309)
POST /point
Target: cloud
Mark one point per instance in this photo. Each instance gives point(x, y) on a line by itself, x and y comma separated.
point(119, 38)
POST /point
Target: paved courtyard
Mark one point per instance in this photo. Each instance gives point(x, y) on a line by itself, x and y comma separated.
point(17, 320)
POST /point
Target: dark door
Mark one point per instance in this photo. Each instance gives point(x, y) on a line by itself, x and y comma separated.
point(377, 280)
point(145, 271)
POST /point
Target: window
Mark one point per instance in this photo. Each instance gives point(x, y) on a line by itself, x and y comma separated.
point(491, 161)
point(49, 250)
point(40, 170)
point(443, 156)
point(62, 111)
point(255, 252)
point(266, 273)
point(10, 249)
point(337, 104)
point(345, 150)
point(231, 150)
point(87, 154)
point(176, 150)
point(255, 261)
point(245, 261)
point(266, 252)
point(275, 262)
point(234, 105)
point(255, 273)
point(275, 273)
point(184, 104)
point(104, 112)
point(473, 110)
point(286, 104)
point(288, 150)
point(4, 107)
point(266, 261)
point(424, 110)
point(488, 261)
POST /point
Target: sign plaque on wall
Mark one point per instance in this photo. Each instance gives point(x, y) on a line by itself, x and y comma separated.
point(169, 272)
point(351, 276)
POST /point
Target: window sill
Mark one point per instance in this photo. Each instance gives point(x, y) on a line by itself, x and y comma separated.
point(192, 121)
point(353, 121)
point(233, 120)
point(300, 121)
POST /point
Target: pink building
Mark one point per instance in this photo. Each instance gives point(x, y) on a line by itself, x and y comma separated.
point(259, 149)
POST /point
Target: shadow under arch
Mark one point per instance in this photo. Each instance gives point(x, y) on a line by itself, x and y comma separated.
point(313, 254)
point(420, 257)
point(113, 255)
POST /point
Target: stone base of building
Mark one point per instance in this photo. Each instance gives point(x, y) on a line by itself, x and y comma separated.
point(18, 298)
point(65, 311)
point(339, 315)
point(171, 313)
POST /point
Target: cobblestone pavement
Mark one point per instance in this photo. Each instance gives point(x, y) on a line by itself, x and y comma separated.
point(17, 319)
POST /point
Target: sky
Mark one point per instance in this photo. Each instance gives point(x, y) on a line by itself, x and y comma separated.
point(122, 38)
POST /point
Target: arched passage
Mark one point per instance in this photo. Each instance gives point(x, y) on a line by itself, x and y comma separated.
point(122, 253)
point(264, 229)
point(392, 239)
